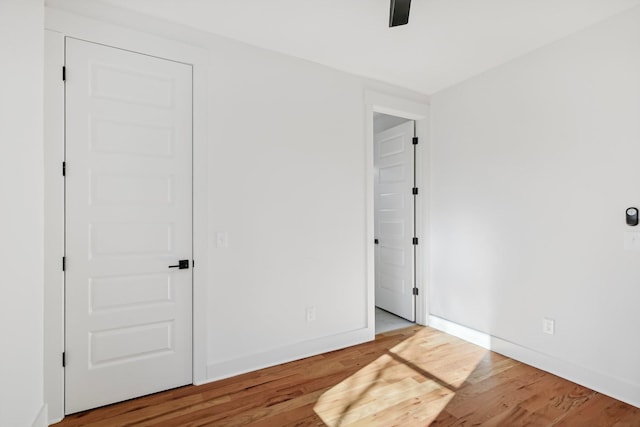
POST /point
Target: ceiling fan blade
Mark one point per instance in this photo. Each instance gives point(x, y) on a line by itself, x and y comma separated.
point(399, 12)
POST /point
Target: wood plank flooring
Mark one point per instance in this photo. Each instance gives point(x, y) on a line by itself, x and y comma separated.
point(412, 377)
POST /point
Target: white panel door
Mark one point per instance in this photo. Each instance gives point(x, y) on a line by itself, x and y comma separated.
point(394, 220)
point(128, 218)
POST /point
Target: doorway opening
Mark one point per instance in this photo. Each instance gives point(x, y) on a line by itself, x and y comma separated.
point(395, 232)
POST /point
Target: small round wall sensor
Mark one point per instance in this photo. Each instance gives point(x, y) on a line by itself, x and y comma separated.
point(632, 216)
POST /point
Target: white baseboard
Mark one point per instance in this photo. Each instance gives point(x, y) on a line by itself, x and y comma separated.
point(614, 387)
point(470, 335)
point(225, 369)
point(55, 420)
point(41, 418)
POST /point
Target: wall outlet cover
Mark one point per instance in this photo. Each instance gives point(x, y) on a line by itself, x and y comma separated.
point(310, 314)
point(222, 239)
point(632, 241)
point(548, 326)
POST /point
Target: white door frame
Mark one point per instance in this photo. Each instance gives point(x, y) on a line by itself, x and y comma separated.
point(377, 102)
point(58, 25)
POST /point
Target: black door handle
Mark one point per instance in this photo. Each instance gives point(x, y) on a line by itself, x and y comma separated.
point(182, 264)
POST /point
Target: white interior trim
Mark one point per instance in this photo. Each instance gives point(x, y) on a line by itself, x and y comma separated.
point(378, 102)
point(58, 25)
point(53, 224)
point(470, 335)
point(41, 418)
point(254, 362)
point(614, 387)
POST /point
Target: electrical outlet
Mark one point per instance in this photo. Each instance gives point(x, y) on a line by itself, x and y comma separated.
point(632, 241)
point(548, 326)
point(222, 239)
point(311, 314)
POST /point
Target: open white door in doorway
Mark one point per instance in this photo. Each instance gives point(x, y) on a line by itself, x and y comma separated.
point(128, 221)
point(394, 226)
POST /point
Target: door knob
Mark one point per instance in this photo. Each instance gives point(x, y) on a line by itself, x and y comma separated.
point(182, 264)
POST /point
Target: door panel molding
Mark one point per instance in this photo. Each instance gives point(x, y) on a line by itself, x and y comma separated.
point(128, 217)
point(394, 218)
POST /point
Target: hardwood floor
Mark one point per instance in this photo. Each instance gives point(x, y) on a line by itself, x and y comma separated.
point(413, 377)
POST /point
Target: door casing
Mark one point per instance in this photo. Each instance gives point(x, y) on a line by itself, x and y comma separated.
point(60, 24)
point(378, 102)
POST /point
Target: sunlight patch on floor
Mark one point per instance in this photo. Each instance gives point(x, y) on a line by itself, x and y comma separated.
point(408, 385)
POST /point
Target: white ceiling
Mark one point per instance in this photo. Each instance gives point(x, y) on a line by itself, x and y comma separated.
point(446, 41)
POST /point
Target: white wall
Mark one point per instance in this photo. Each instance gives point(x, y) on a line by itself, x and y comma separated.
point(21, 215)
point(287, 182)
point(533, 165)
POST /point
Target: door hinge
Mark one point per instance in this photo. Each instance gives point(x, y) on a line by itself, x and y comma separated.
point(414, 191)
point(64, 263)
point(64, 359)
point(415, 240)
point(193, 263)
point(64, 168)
point(415, 291)
point(64, 73)
point(415, 140)
point(375, 241)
